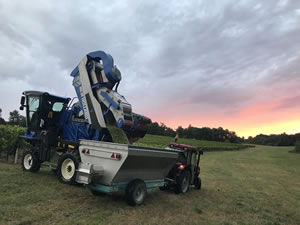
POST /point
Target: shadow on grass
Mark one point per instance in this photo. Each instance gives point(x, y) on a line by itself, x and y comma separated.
point(294, 151)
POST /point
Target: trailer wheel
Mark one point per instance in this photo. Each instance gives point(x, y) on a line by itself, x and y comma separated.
point(66, 168)
point(30, 161)
point(136, 192)
point(183, 182)
point(198, 183)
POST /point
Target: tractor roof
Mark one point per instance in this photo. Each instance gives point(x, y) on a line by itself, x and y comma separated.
point(40, 93)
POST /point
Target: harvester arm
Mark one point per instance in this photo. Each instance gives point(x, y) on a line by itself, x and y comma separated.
point(94, 80)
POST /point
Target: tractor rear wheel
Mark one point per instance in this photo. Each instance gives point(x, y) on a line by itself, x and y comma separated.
point(30, 161)
point(136, 192)
point(66, 168)
point(183, 182)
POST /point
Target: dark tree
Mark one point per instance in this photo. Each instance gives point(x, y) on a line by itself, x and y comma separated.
point(16, 119)
point(2, 121)
point(180, 131)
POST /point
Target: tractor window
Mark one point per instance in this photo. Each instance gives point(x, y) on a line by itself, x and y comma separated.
point(57, 106)
point(182, 158)
point(33, 106)
point(194, 159)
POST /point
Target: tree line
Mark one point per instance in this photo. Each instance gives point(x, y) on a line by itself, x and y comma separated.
point(274, 139)
point(204, 133)
point(223, 135)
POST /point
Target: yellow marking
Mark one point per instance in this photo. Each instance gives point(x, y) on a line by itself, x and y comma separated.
point(50, 114)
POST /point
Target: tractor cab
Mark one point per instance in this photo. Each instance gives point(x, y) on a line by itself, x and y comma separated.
point(43, 111)
point(186, 170)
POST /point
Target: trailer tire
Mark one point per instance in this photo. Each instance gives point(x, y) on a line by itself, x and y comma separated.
point(136, 192)
point(66, 168)
point(198, 183)
point(30, 161)
point(183, 182)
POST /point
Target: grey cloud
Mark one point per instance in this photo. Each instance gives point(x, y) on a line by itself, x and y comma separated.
point(287, 103)
point(242, 59)
point(10, 31)
point(205, 53)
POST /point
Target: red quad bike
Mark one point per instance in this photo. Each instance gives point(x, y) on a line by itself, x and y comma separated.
point(186, 170)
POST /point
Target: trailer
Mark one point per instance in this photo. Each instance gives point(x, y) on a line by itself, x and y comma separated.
point(133, 170)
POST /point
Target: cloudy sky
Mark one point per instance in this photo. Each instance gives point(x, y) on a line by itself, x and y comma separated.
point(234, 64)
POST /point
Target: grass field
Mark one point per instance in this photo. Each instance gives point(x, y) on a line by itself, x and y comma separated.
point(163, 141)
point(255, 186)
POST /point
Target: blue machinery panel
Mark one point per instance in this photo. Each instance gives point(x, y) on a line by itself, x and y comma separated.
point(108, 64)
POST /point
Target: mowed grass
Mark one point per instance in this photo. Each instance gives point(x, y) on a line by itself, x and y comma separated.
point(163, 141)
point(256, 186)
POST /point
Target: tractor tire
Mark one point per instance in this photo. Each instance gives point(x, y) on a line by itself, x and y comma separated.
point(30, 161)
point(183, 182)
point(66, 168)
point(198, 183)
point(136, 192)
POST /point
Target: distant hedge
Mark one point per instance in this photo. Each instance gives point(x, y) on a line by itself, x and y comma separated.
point(157, 141)
point(9, 139)
point(274, 139)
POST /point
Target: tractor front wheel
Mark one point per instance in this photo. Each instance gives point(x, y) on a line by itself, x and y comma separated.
point(66, 168)
point(197, 183)
point(30, 161)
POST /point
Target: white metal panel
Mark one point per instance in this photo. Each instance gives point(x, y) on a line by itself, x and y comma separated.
point(100, 155)
point(85, 89)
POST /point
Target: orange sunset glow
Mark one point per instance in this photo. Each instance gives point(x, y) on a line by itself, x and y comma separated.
point(246, 129)
point(251, 120)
